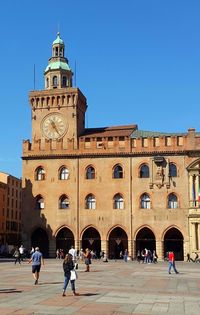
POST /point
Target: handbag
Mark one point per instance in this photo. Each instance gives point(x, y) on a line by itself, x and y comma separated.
point(73, 275)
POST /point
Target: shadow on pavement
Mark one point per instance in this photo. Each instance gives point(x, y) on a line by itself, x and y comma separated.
point(10, 291)
point(40, 283)
point(88, 294)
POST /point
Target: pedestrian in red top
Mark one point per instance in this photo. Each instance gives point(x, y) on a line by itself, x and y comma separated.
point(171, 262)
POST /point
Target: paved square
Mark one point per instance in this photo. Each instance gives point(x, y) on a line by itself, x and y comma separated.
point(110, 288)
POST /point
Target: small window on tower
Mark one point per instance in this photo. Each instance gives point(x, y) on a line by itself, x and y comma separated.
point(55, 81)
point(64, 83)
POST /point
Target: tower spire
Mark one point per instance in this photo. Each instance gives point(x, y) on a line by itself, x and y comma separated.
point(58, 73)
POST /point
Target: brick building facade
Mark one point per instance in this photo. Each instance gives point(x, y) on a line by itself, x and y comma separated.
point(108, 189)
point(10, 210)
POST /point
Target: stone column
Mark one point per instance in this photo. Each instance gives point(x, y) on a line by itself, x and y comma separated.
point(104, 246)
point(77, 244)
point(159, 249)
point(52, 248)
point(193, 234)
point(190, 189)
point(130, 249)
point(198, 235)
point(197, 190)
point(134, 249)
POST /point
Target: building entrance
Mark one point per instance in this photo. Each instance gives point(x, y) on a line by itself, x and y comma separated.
point(173, 241)
point(64, 240)
point(91, 239)
point(145, 239)
point(117, 243)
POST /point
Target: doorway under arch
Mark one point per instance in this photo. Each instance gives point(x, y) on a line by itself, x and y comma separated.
point(91, 239)
point(64, 240)
point(173, 241)
point(39, 238)
point(117, 243)
point(145, 239)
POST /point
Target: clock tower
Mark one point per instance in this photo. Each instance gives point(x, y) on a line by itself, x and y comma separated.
point(58, 111)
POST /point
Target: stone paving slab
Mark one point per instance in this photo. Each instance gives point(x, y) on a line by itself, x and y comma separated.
point(116, 288)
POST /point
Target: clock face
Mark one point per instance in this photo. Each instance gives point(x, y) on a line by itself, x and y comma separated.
point(54, 126)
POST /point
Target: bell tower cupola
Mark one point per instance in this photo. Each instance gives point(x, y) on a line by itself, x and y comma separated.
point(58, 73)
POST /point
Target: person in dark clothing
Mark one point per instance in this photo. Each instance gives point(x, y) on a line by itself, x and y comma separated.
point(17, 256)
point(68, 265)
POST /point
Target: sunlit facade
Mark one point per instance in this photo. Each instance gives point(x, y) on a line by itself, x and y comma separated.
point(108, 189)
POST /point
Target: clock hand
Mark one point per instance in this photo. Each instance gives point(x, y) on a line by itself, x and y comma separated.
point(54, 126)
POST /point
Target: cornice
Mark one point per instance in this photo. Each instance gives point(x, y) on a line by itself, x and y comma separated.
point(110, 155)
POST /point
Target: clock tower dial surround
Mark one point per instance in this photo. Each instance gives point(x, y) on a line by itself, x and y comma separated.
point(54, 126)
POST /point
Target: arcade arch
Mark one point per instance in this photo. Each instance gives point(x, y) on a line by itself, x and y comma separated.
point(64, 239)
point(91, 239)
point(117, 242)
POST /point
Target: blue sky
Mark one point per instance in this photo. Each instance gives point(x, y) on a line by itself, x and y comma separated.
point(137, 62)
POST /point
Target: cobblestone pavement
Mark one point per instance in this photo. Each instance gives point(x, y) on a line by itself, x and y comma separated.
point(110, 288)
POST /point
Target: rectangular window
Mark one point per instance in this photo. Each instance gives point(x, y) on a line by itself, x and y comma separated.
point(99, 143)
point(179, 140)
point(87, 143)
point(168, 141)
point(144, 142)
point(133, 143)
point(110, 142)
point(156, 142)
point(122, 142)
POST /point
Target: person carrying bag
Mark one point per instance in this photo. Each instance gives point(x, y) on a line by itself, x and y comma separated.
point(69, 274)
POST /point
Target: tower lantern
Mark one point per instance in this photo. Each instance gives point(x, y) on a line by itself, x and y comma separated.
point(58, 73)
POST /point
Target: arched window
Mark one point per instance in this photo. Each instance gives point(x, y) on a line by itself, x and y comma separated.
point(63, 173)
point(47, 82)
point(118, 202)
point(90, 202)
point(172, 170)
point(144, 171)
point(117, 171)
point(40, 173)
point(90, 172)
point(39, 202)
point(64, 81)
point(145, 202)
point(172, 201)
point(64, 202)
point(55, 81)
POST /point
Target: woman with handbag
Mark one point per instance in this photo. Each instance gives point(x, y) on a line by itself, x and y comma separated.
point(69, 274)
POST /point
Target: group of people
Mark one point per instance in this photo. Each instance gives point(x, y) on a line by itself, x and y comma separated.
point(147, 256)
point(19, 254)
point(70, 263)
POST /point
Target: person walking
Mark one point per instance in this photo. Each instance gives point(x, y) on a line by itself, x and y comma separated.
point(73, 252)
point(87, 257)
point(172, 263)
point(17, 256)
point(37, 260)
point(21, 251)
point(125, 255)
point(68, 266)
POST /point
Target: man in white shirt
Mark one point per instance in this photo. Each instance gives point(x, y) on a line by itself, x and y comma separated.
point(21, 251)
point(72, 251)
